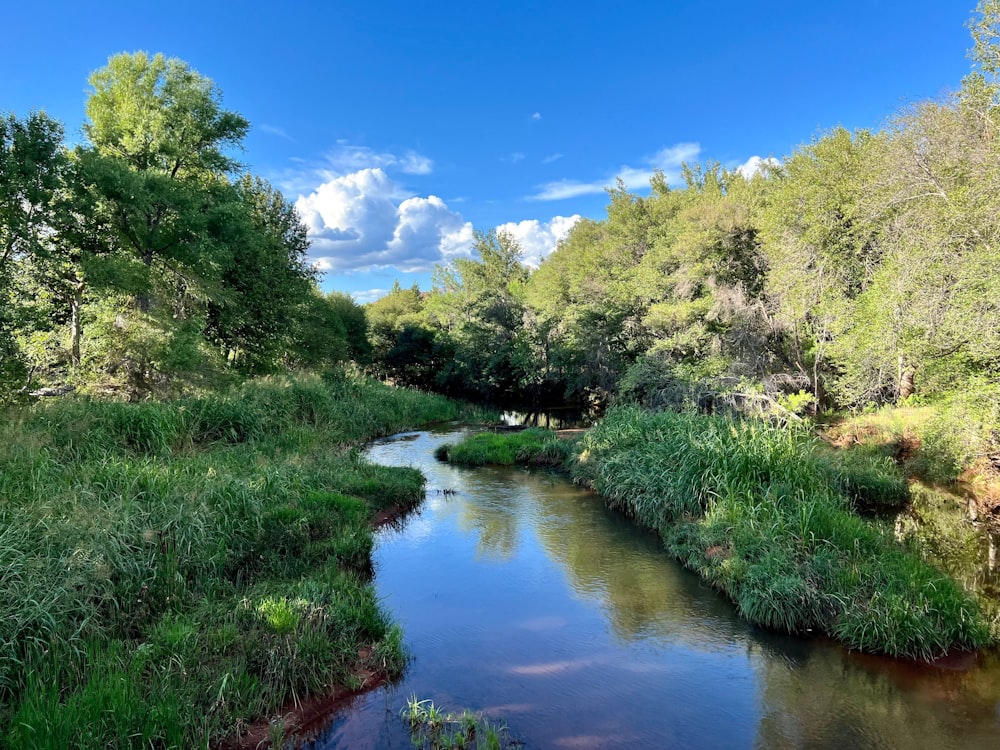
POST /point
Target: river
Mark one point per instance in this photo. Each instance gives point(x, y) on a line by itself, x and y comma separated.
point(521, 596)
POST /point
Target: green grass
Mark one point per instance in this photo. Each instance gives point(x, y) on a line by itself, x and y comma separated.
point(764, 517)
point(866, 476)
point(432, 728)
point(532, 447)
point(767, 516)
point(170, 572)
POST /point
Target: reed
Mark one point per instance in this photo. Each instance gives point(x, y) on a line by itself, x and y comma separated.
point(766, 518)
point(532, 447)
point(172, 571)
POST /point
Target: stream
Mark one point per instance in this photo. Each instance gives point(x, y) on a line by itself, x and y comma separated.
point(523, 597)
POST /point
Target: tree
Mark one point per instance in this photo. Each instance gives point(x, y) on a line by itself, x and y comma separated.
point(32, 161)
point(264, 276)
point(158, 115)
point(32, 166)
point(821, 246)
point(478, 305)
point(159, 137)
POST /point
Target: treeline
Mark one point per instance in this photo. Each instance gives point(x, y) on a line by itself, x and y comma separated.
point(146, 257)
point(862, 270)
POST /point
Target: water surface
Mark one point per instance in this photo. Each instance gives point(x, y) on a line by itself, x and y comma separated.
point(520, 595)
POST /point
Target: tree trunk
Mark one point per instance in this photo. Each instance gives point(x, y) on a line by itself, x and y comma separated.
point(906, 376)
point(143, 300)
point(75, 324)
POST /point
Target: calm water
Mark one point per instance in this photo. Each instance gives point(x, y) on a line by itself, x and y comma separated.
point(522, 596)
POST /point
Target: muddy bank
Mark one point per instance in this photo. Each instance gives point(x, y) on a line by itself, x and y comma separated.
point(305, 719)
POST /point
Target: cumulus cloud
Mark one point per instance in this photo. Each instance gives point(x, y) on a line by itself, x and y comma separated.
point(756, 165)
point(538, 239)
point(346, 159)
point(668, 160)
point(358, 222)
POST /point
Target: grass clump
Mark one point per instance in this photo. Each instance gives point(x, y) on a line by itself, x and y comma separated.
point(535, 446)
point(431, 728)
point(866, 476)
point(170, 572)
point(766, 519)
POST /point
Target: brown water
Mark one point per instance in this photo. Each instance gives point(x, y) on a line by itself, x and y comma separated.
point(522, 596)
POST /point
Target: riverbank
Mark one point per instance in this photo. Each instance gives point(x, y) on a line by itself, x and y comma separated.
point(929, 444)
point(174, 572)
point(769, 520)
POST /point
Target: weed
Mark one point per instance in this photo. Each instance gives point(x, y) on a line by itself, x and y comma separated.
point(532, 447)
point(148, 549)
point(794, 558)
point(431, 728)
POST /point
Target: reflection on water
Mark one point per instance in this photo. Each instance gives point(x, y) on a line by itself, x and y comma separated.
point(942, 524)
point(522, 596)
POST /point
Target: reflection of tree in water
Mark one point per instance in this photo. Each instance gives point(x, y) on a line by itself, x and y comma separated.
point(606, 557)
point(814, 694)
point(832, 698)
point(490, 510)
point(939, 522)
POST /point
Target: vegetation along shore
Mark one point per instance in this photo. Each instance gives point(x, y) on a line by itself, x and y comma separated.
point(185, 518)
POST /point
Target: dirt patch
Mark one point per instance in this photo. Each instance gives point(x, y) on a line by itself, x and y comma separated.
point(391, 515)
point(717, 551)
point(306, 719)
point(905, 448)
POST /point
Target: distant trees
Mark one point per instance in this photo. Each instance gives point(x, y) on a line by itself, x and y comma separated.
point(863, 269)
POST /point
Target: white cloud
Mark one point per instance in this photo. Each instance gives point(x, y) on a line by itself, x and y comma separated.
point(551, 158)
point(414, 163)
point(756, 165)
point(536, 116)
point(347, 158)
point(274, 130)
point(359, 222)
point(668, 160)
point(538, 239)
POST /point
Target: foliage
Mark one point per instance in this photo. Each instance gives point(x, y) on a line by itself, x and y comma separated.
point(757, 513)
point(139, 261)
point(173, 571)
point(861, 269)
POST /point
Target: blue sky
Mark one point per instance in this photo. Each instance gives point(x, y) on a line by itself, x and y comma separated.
point(398, 127)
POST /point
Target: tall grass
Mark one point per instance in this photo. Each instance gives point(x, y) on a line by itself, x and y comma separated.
point(535, 446)
point(171, 571)
point(763, 517)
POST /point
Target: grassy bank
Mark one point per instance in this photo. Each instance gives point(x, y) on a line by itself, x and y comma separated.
point(953, 440)
point(768, 519)
point(171, 572)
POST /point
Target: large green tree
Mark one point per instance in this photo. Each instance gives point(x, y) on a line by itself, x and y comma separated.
point(264, 276)
point(160, 142)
